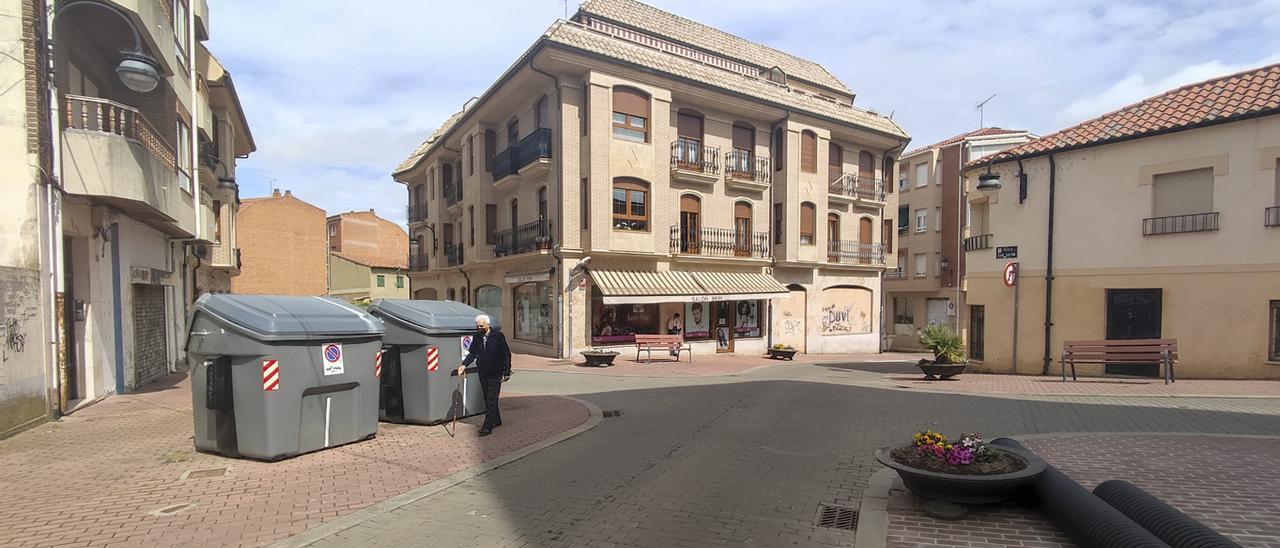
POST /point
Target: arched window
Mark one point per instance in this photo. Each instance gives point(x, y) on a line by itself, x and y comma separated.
point(446, 182)
point(689, 135)
point(630, 204)
point(471, 226)
point(886, 173)
point(866, 166)
point(808, 151)
point(690, 224)
point(779, 148)
point(490, 148)
point(630, 114)
point(808, 220)
point(542, 203)
point(451, 294)
point(833, 237)
point(742, 238)
point(744, 145)
point(540, 119)
point(515, 213)
point(471, 155)
point(462, 295)
point(866, 249)
point(835, 162)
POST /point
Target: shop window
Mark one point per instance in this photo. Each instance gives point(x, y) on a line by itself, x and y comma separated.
point(489, 300)
point(532, 313)
point(618, 324)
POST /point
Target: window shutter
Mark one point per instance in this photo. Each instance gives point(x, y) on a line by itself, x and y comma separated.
point(779, 149)
point(742, 210)
point(808, 217)
point(490, 223)
point(490, 146)
point(777, 223)
point(744, 137)
point(835, 160)
point(887, 174)
point(631, 101)
point(886, 234)
point(866, 165)
point(689, 126)
point(690, 204)
point(808, 152)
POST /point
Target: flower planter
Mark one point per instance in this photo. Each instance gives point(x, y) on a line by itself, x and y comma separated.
point(599, 359)
point(934, 371)
point(966, 488)
point(778, 354)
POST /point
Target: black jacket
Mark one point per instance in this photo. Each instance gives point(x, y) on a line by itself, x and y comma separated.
point(491, 357)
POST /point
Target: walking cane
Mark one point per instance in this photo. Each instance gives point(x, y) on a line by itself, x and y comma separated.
point(456, 410)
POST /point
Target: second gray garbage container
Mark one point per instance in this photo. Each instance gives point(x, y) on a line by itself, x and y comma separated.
point(276, 376)
point(424, 345)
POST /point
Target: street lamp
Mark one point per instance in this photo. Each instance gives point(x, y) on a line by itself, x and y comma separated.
point(137, 70)
point(990, 182)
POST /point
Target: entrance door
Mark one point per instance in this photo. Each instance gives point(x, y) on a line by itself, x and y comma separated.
point(977, 331)
point(690, 224)
point(789, 319)
point(723, 319)
point(70, 367)
point(1134, 314)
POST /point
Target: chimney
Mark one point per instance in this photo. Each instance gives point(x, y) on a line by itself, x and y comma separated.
point(275, 193)
point(371, 210)
point(288, 192)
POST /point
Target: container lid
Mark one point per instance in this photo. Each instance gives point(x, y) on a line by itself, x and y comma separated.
point(430, 317)
point(281, 317)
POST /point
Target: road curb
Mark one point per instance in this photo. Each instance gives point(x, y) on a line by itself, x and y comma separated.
point(873, 512)
point(318, 533)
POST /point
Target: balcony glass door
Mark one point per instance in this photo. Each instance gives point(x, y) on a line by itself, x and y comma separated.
point(689, 144)
point(690, 224)
point(742, 229)
point(833, 237)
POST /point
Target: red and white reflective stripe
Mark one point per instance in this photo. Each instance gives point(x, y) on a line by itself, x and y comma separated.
point(433, 358)
point(377, 364)
point(270, 375)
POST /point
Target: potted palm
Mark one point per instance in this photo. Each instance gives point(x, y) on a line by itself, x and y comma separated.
point(948, 352)
point(782, 352)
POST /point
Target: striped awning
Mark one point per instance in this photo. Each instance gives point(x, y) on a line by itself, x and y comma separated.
point(631, 287)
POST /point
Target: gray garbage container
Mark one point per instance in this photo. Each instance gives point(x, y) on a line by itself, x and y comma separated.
point(276, 376)
point(423, 348)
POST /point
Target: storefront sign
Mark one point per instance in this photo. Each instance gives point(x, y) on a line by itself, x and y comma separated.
point(527, 277)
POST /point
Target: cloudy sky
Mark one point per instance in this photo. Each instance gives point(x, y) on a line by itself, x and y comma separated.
point(339, 92)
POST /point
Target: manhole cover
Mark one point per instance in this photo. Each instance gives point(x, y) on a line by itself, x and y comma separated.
point(205, 473)
point(613, 413)
point(837, 517)
point(171, 510)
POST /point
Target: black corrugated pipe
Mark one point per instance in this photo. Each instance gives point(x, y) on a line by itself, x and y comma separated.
point(1048, 272)
point(1085, 518)
point(1156, 516)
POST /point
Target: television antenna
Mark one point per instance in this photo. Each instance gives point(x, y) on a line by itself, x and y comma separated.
point(980, 109)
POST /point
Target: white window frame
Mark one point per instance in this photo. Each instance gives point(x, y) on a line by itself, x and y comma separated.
point(937, 222)
point(182, 153)
point(920, 265)
point(922, 219)
point(922, 180)
point(181, 33)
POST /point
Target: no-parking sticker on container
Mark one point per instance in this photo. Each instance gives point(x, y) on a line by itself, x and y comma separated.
point(466, 344)
point(332, 353)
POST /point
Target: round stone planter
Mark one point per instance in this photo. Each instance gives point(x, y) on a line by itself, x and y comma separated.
point(782, 354)
point(599, 359)
point(962, 488)
point(935, 371)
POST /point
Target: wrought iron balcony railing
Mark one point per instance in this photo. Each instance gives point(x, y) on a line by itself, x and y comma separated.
point(974, 243)
point(692, 155)
point(895, 274)
point(535, 146)
point(850, 252)
point(524, 238)
point(419, 260)
point(853, 186)
point(1177, 224)
point(720, 242)
point(453, 254)
point(744, 165)
point(417, 213)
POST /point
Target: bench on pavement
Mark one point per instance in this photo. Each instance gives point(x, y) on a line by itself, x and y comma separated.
point(1132, 351)
point(667, 343)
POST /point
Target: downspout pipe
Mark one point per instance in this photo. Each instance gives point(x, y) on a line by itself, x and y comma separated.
point(884, 308)
point(557, 144)
point(773, 257)
point(1048, 272)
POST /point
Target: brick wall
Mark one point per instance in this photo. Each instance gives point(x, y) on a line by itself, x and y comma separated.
point(283, 247)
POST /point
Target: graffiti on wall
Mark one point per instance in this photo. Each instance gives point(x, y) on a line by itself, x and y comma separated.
point(15, 337)
point(845, 311)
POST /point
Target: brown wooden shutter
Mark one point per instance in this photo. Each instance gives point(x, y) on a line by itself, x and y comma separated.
point(490, 146)
point(742, 210)
point(835, 160)
point(808, 217)
point(689, 126)
point(744, 137)
point(887, 174)
point(490, 223)
point(808, 152)
point(690, 204)
point(864, 230)
point(779, 149)
point(886, 234)
point(631, 101)
point(866, 165)
point(777, 223)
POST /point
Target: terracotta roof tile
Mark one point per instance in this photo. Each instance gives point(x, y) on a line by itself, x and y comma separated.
point(1249, 93)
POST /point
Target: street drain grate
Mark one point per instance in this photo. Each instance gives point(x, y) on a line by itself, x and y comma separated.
point(171, 510)
point(837, 517)
point(205, 473)
point(613, 413)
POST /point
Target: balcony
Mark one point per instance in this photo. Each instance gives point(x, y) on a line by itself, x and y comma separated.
point(528, 159)
point(418, 261)
point(523, 239)
point(864, 191)
point(859, 253)
point(974, 243)
point(746, 171)
point(895, 274)
point(112, 154)
point(453, 254)
point(720, 242)
point(453, 195)
point(1272, 216)
point(1178, 224)
point(692, 162)
point(417, 213)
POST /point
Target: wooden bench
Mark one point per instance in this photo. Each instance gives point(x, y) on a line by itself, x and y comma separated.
point(1133, 351)
point(667, 343)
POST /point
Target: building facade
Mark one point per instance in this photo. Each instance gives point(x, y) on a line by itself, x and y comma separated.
point(720, 188)
point(1158, 220)
point(284, 247)
point(368, 257)
point(127, 202)
point(927, 287)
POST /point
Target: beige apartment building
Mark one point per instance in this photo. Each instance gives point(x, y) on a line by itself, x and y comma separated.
point(368, 257)
point(120, 200)
point(1158, 220)
point(284, 247)
point(720, 188)
point(927, 285)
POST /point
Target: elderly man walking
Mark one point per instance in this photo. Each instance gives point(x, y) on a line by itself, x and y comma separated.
point(492, 357)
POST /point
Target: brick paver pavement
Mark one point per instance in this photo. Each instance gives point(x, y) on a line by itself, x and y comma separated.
point(99, 477)
point(742, 460)
point(1228, 483)
point(663, 365)
point(977, 383)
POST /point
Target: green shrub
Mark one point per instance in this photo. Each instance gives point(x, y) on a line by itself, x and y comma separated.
point(946, 345)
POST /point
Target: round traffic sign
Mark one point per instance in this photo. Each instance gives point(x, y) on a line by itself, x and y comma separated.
point(1011, 274)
